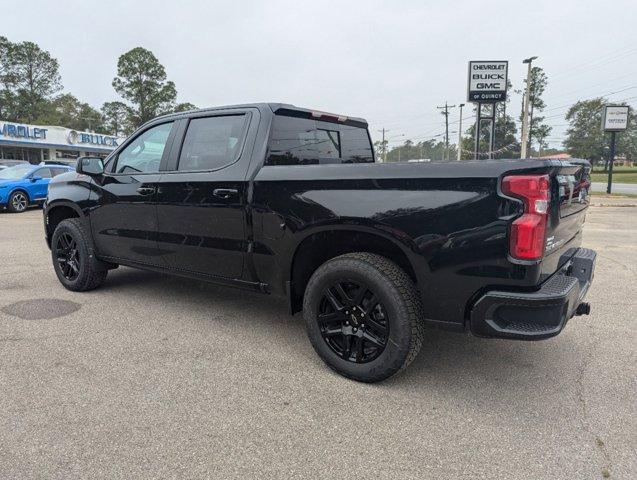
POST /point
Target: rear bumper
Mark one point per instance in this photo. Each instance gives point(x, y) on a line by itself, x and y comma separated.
point(540, 314)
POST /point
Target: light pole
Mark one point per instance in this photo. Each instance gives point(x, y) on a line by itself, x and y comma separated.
point(525, 106)
point(384, 146)
point(460, 133)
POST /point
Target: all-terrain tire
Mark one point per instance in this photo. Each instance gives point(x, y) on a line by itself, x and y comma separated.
point(398, 295)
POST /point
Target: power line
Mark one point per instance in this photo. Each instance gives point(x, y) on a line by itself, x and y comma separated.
point(600, 61)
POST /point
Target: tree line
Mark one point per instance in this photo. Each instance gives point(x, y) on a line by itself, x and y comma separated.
point(584, 136)
point(31, 91)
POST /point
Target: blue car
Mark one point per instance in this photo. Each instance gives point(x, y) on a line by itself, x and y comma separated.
point(25, 184)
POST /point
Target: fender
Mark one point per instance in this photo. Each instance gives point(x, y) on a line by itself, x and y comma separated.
point(399, 239)
point(20, 189)
point(405, 254)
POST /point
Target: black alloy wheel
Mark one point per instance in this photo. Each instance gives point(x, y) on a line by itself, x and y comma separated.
point(72, 253)
point(363, 316)
point(353, 321)
point(68, 257)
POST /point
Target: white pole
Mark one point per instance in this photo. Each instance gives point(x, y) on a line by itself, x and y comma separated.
point(525, 112)
point(460, 134)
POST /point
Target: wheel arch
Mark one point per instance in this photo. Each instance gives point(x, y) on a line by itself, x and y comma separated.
point(319, 246)
point(23, 190)
point(58, 211)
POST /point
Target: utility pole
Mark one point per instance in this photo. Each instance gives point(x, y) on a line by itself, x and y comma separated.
point(384, 145)
point(525, 106)
point(460, 133)
point(446, 114)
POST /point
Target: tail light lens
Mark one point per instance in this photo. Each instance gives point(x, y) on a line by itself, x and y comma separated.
point(528, 233)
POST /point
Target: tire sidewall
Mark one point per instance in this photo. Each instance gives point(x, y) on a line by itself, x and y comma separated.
point(68, 227)
point(396, 351)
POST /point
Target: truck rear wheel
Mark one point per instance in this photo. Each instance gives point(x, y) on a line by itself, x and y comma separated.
point(363, 316)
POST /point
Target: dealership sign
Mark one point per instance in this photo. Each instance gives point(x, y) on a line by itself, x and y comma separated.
point(91, 139)
point(615, 118)
point(22, 131)
point(487, 81)
point(43, 136)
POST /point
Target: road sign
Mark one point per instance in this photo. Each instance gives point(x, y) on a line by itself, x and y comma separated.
point(487, 81)
point(615, 118)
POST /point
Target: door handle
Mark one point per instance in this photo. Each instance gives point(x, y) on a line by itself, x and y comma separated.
point(146, 190)
point(224, 192)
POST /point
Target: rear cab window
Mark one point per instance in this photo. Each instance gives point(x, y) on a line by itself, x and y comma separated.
point(307, 141)
point(212, 143)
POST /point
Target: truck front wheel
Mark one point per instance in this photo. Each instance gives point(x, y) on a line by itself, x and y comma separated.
point(70, 251)
point(363, 316)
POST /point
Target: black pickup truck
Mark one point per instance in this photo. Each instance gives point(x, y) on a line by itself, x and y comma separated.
point(290, 202)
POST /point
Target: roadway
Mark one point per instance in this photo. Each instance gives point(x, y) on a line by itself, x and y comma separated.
point(621, 188)
point(153, 376)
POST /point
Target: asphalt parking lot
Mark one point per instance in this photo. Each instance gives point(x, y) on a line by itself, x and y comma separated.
point(159, 377)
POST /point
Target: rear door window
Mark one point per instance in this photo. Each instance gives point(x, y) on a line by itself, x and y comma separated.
point(55, 171)
point(303, 141)
point(42, 173)
point(212, 143)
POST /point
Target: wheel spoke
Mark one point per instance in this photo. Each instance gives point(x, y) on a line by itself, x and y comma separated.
point(66, 270)
point(359, 349)
point(376, 325)
point(347, 346)
point(73, 266)
point(361, 335)
point(64, 241)
point(371, 303)
point(373, 339)
point(332, 332)
point(345, 298)
point(324, 318)
point(360, 295)
point(333, 300)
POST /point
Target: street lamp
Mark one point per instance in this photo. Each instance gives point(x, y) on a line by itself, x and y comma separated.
point(525, 106)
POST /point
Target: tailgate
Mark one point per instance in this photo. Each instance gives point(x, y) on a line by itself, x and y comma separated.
point(569, 201)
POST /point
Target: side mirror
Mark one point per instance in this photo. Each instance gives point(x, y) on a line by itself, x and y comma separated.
point(90, 166)
point(35, 178)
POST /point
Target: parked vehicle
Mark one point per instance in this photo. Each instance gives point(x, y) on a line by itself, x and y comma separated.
point(66, 162)
point(585, 177)
point(24, 184)
point(288, 201)
point(11, 163)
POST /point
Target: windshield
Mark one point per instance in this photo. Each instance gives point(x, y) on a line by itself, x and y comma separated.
point(13, 173)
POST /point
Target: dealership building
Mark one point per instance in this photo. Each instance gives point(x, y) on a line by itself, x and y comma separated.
point(37, 143)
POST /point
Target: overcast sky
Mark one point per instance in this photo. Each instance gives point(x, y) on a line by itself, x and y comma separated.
point(390, 62)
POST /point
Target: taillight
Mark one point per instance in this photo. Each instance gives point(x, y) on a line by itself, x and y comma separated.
point(528, 233)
